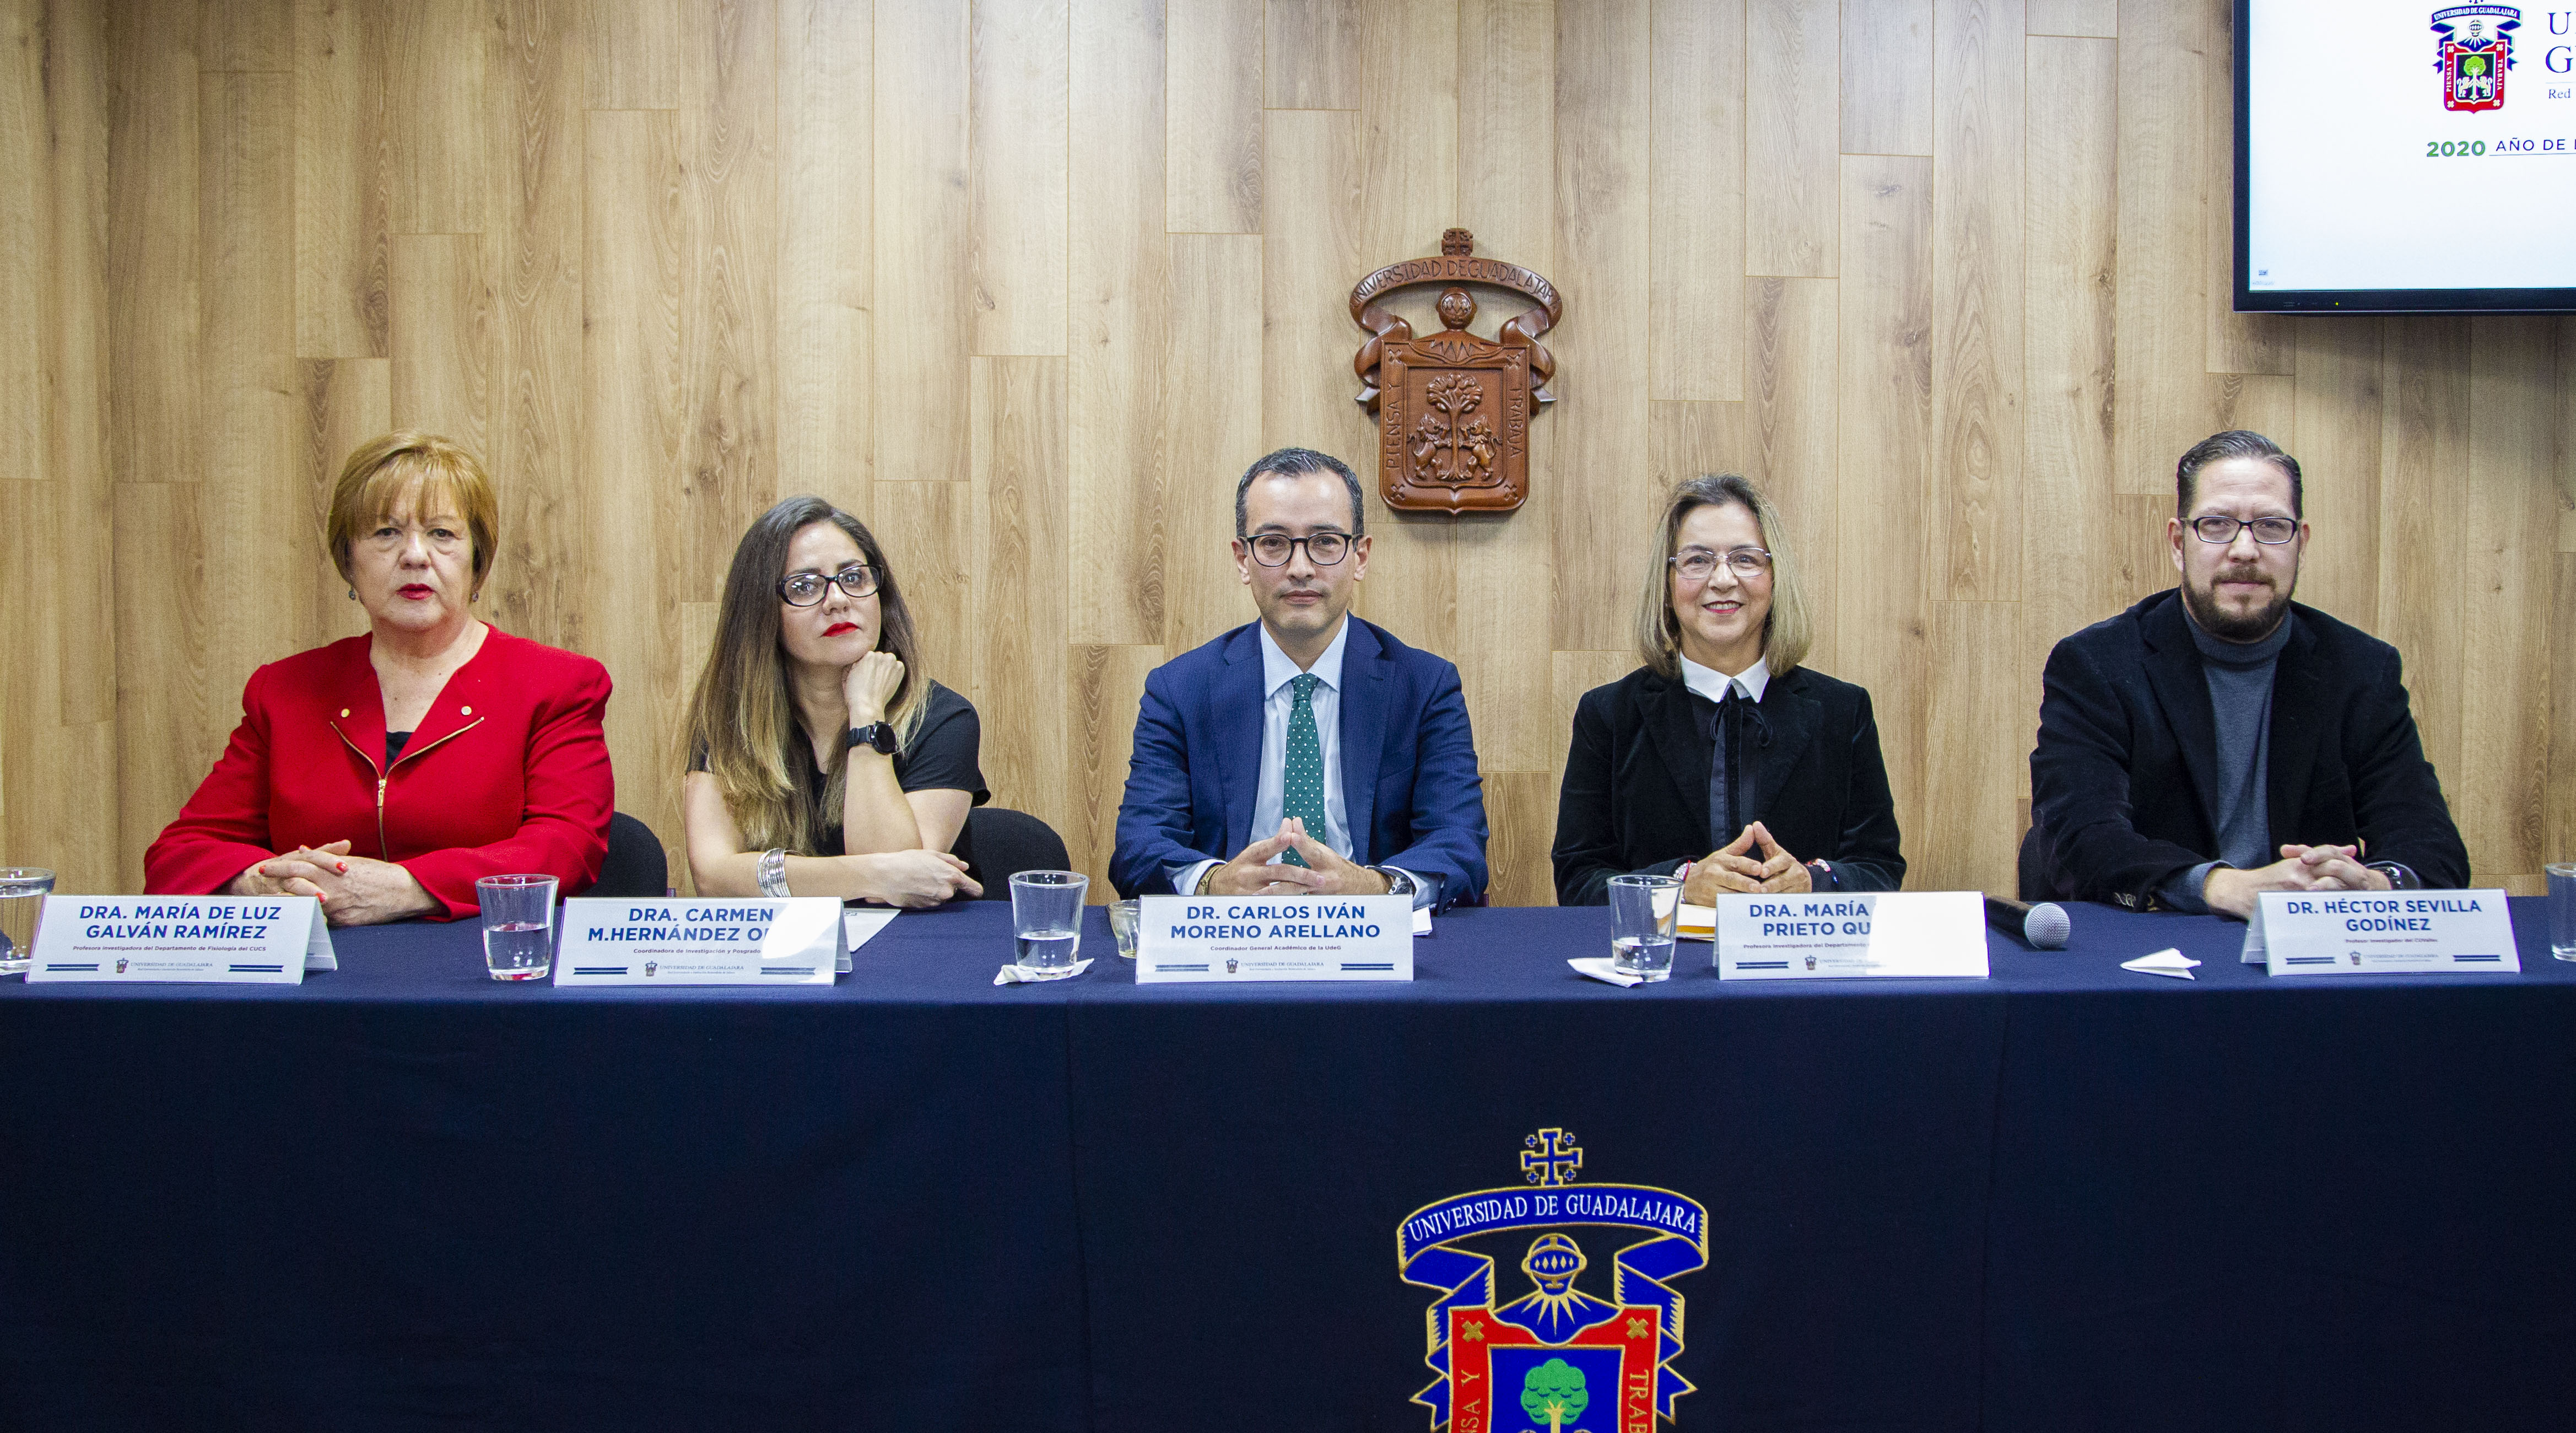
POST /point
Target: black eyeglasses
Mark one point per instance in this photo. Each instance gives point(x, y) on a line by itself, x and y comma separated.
point(1698, 563)
point(2269, 531)
point(1272, 549)
point(804, 589)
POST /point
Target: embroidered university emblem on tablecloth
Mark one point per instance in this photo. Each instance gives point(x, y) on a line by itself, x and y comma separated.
point(1558, 1358)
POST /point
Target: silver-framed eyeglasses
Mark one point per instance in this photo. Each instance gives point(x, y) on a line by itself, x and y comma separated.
point(2269, 531)
point(1273, 549)
point(1698, 563)
point(805, 589)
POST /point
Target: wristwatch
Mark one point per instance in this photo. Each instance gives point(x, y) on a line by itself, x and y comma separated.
point(1397, 882)
point(876, 736)
point(773, 872)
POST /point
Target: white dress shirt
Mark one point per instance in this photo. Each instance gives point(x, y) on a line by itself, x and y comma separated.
point(1278, 672)
point(1712, 683)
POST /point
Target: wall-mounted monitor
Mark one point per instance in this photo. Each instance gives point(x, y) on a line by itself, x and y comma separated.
point(2399, 156)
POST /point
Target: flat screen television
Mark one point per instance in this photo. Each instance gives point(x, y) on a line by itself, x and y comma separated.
point(2400, 156)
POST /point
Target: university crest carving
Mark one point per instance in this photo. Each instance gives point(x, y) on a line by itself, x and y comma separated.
point(1453, 409)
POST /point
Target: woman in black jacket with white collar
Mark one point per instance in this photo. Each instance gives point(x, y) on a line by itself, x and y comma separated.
point(1722, 759)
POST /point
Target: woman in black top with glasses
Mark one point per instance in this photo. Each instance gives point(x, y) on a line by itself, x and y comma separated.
point(823, 762)
point(1725, 759)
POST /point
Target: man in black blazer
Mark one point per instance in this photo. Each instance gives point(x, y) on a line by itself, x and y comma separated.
point(2219, 740)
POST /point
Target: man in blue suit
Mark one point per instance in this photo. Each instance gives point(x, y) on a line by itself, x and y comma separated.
point(1343, 751)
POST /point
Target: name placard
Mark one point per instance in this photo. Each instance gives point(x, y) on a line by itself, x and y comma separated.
point(1186, 938)
point(2380, 932)
point(1909, 934)
point(794, 941)
point(244, 940)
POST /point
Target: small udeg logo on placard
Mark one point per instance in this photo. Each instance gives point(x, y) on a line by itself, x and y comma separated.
point(651, 966)
point(1232, 966)
point(1811, 962)
point(2356, 956)
point(2473, 47)
point(120, 965)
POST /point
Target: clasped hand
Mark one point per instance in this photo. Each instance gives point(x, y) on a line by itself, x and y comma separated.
point(1326, 873)
point(354, 890)
point(1736, 868)
point(2301, 868)
point(868, 684)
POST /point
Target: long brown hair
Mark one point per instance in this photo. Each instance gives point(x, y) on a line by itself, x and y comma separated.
point(743, 713)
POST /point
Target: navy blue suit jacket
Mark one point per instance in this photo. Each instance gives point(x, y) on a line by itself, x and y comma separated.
point(1409, 785)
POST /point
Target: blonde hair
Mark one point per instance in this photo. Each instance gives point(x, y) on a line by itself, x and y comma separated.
point(1786, 633)
point(742, 714)
point(381, 470)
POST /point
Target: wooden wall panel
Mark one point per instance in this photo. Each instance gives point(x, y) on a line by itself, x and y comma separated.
point(1887, 82)
point(826, 253)
point(1883, 624)
point(1017, 160)
point(924, 239)
point(1121, 282)
point(1695, 239)
point(1506, 158)
point(1311, 54)
point(1025, 283)
point(540, 584)
point(343, 182)
point(1791, 135)
point(1213, 120)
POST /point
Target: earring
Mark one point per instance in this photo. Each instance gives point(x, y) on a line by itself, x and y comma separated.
point(353, 594)
point(477, 597)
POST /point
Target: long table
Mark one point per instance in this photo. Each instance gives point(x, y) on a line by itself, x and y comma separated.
point(2069, 1196)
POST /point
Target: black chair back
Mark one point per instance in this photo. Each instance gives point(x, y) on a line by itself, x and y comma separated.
point(998, 843)
point(2031, 869)
point(636, 867)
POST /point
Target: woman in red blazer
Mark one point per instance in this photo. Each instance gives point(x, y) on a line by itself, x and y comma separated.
point(386, 773)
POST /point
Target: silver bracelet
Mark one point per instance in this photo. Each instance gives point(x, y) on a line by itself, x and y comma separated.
point(773, 872)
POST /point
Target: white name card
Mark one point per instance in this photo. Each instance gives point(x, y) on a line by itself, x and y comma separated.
point(795, 941)
point(1836, 937)
point(2380, 932)
point(1184, 938)
point(249, 940)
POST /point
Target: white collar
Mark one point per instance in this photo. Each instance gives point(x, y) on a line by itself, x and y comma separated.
point(1278, 669)
point(1712, 683)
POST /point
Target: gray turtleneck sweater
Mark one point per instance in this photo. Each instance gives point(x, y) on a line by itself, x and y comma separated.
point(2240, 697)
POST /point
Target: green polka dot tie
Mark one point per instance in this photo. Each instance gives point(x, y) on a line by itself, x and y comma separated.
point(1302, 792)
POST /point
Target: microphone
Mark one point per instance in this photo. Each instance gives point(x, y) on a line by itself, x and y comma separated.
point(2041, 927)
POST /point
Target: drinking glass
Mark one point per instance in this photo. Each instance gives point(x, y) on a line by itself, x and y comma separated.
point(22, 893)
point(1642, 912)
point(1046, 913)
point(518, 925)
point(2562, 910)
point(1123, 918)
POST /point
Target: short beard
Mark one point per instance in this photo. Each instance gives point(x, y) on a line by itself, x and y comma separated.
point(2254, 627)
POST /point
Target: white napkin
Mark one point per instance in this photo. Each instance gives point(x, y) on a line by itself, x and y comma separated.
point(2163, 962)
point(1010, 974)
point(1599, 968)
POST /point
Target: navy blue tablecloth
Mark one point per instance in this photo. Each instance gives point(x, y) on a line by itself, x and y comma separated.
point(404, 1196)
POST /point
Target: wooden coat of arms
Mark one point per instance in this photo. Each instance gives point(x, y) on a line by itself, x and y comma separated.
point(1454, 410)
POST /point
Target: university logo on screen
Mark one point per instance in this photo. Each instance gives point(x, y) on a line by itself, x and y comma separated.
point(2473, 47)
point(1559, 1358)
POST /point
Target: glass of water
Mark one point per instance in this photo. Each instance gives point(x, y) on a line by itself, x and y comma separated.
point(518, 925)
point(1642, 912)
point(2562, 910)
point(1124, 917)
point(22, 893)
point(1046, 914)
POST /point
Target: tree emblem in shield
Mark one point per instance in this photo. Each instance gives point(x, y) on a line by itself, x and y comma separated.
point(2473, 46)
point(1454, 409)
